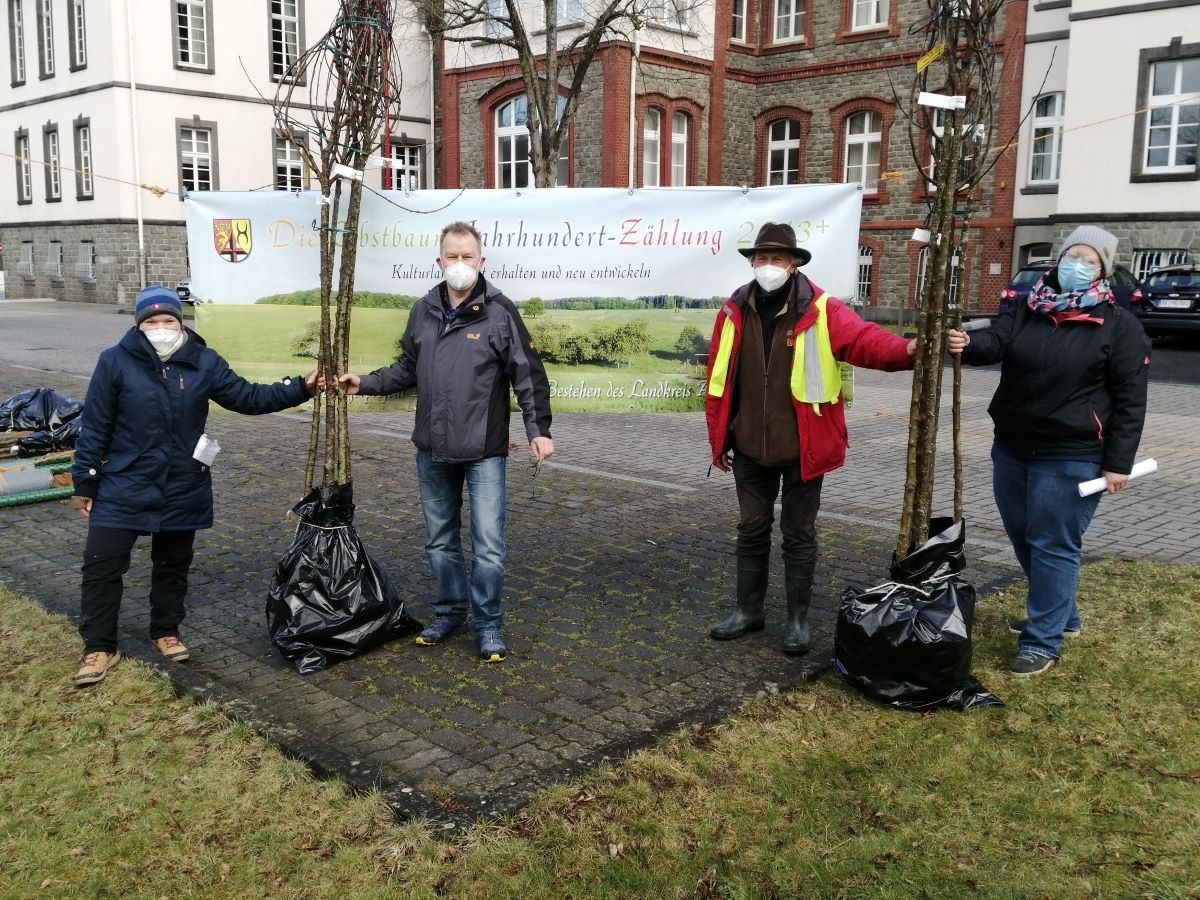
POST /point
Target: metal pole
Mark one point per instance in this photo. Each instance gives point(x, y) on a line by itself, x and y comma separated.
point(637, 49)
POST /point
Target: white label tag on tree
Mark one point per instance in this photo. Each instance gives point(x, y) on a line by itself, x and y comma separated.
point(206, 450)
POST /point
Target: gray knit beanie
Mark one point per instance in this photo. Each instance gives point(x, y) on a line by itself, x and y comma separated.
point(1098, 239)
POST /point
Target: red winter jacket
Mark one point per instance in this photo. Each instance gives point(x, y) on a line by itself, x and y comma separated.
point(823, 439)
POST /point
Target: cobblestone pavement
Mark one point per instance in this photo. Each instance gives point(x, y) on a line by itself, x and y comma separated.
point(620, 559)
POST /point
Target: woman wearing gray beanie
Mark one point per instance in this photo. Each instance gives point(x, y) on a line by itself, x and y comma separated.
point(1069, 408)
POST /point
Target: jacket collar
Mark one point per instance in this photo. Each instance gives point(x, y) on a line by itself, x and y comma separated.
point(473, 307)
point(139, 347)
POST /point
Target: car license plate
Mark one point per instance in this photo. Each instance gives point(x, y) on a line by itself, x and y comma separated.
point(1174, 303)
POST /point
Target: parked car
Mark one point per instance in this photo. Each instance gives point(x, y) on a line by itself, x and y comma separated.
point(1021, 284)
point(1170, 302)
point(1124, 286)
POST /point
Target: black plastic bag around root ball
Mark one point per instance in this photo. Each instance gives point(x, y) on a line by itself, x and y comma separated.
point(37, 409)
point(907, 643)
point(329, 600)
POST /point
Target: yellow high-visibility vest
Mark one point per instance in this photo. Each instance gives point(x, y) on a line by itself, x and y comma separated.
point(720, 368)
point(816, 376)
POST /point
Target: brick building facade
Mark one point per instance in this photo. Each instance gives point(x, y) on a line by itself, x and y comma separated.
point(747, 107)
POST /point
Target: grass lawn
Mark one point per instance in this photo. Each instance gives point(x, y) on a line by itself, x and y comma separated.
point(254, 340)
point(1087, 784)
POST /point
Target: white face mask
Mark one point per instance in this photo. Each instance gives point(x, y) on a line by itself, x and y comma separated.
point(162, 338)
point(461, 276)
point(771, 278)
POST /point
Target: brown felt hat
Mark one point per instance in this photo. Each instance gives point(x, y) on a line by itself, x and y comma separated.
point(777, 237)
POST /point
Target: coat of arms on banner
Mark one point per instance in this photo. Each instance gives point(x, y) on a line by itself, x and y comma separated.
point(232, 239)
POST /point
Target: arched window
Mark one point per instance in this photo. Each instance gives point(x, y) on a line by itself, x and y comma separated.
point(1045, 159)
point(864, 134)
point(783, 152)
point(679, 148)
point(651, 145)
point(513, 169)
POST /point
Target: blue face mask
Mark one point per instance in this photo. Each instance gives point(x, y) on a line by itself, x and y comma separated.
point(1075, 275)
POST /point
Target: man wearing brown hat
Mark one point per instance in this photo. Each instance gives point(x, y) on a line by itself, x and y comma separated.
point(776, 417)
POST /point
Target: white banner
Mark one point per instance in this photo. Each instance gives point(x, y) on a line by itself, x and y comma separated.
point(578, 242)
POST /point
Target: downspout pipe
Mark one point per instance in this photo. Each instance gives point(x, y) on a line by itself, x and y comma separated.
point(137, 159)
point(633, 123)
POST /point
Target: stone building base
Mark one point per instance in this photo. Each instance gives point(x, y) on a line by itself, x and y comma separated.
point(113, 277)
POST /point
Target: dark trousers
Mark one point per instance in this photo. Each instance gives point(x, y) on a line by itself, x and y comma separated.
point(105, 562)
point(757, 488)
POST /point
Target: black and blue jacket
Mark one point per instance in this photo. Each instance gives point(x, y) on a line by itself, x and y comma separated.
point(464, 369)
point(140, 424)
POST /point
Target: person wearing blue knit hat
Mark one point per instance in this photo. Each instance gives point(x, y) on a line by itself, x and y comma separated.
point(141, 468)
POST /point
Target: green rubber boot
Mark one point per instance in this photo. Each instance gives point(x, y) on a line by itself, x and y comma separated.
point(798, 590)
point(750, 615)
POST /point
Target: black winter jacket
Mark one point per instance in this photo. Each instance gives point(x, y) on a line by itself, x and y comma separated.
point(463, 372)
point(141, 421)
point(1070, 388)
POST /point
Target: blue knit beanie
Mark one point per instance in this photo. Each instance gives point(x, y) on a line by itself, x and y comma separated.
point(156, 301)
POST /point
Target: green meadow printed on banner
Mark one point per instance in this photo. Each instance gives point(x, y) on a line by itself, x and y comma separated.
point(619, 289)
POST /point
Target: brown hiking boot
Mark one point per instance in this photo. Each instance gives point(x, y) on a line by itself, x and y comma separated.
point(172, 648)
point(94, 666)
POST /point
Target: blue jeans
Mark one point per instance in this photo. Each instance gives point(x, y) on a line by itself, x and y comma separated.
point(1045, 519)
point(441, 501)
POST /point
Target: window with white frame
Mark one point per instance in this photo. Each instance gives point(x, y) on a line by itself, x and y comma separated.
point(651, 146)
point(285, 37)
point(789, 20)
point(77, 34)
point(1173, 135)
point(866, 257)
point(1045, 156)
point(513, 167)
point(24, 168)
point(289, 166)
point(53, 266)
point(923, 265)
point(1036, 252)
point(84, 189)
point(737, 27)
point(783, 152)
point(195, 159)
point(1147, 261)
point(864, 138)
point(16, 40)
point(971, 133)
point(870, 14)
point(497, 20)
point(45, 26)
point(679, 149)
point(191, 33)
point(569, 11)
point(405, 174)
point(25, 263)
point(85, 262)
point(53, 163)
point(671, 13)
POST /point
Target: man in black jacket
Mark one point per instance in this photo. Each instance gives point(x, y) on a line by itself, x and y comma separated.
point(464, 349)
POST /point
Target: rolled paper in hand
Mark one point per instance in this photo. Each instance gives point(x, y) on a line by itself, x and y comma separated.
point(1145, 467)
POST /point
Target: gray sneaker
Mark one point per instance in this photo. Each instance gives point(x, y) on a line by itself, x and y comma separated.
point(1026, 663)
point(491, 647)
point(438, 630)
point(1016, 626)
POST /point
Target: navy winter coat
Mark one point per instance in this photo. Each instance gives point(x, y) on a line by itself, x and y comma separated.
point(141, 421)
point(464, 371)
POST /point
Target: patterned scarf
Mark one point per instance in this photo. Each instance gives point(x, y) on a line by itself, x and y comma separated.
point(1046, 299)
